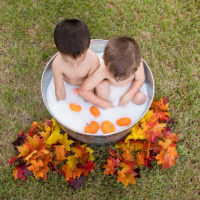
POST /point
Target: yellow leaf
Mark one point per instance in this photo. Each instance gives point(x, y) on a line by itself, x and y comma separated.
point(136, 133)
point(64, 140)
point(54, 137)
point(147, 117)
point(72, 162)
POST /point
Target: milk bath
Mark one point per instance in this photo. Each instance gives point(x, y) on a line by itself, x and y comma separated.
point(77, 121)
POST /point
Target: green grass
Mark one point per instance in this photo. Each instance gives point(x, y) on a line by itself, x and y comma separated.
point(168, 33)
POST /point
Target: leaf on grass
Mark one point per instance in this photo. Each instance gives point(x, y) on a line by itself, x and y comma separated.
point(160, 105)
point(20, 139)
point(111, 166)
point(68, 172)
point(167, 158)
point(127, 155)
point(77, 183)
point(126, 178)
point(21, 171)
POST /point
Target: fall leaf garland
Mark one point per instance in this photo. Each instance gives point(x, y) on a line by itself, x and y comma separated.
point(46, 147)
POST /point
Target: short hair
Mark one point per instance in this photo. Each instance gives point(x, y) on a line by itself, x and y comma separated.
point(122, 56)
point(72, 37)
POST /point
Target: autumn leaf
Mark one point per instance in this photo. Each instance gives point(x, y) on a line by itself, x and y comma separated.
point(126, 178)
point(76, 183)
point(167, 158)
point(72, 162)
point(34, 141)
point(127, 155)
point(68, 172)
point(154, 130)
point(65, 141)
point(114, 154)
point(21, 171)
point(111, 166)
point(24, 150)
point(32, 128)
point(160, 105)
point(12, 160)
point(60, 152)
point(20, 139)
point(136, 133)
point(55, 135)
point(140, 158)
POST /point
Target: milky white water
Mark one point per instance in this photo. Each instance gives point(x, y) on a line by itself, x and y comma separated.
point(78, 120)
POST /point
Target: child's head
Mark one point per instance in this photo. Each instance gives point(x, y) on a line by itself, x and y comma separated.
point(72, 37)
point(122, 57)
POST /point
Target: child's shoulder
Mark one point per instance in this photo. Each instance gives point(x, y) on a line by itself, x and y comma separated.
point(92, 56)
point(56, 64)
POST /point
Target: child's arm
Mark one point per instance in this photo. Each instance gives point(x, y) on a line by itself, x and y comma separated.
point(59, 83)
point(88, 86)
point(136, 85)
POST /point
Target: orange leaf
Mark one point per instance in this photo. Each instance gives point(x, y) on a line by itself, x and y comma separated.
point(127, 155)
point(110, 167)
point(15, 173)
point(125, 121)
point(68, 172)
point(167, 159)
point(107, 127)
point(25, 149)
point(93, 127)
point(137, 145)
point(160, 105)
point(126, 178)
point(95, 111)
point(75, 108)
point(140, 158)
point(60, 152)
point(34, 141)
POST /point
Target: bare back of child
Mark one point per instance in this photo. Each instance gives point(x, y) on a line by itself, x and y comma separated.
point(122, 66)
point(75, 61)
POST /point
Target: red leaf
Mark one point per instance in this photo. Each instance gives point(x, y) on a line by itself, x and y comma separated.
point(12, 160)
point(89, 166)
point(114, 154)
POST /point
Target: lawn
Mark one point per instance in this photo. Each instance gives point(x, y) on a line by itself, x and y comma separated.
point(169, 35)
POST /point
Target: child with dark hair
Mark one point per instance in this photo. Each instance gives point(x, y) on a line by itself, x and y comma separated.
point(75, 61)
point(122, 67)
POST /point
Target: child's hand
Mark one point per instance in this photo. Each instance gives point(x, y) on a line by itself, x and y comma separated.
point(124, 100)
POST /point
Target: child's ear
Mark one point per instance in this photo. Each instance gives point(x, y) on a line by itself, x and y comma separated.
point(54, 45)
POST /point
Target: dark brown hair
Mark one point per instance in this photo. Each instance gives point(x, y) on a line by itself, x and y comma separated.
point(122, 57)
point(72, 37)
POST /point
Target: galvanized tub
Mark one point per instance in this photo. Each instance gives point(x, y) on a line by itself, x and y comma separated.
point(97, 46)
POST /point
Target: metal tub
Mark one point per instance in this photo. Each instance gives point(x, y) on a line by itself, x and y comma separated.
point(97, 46)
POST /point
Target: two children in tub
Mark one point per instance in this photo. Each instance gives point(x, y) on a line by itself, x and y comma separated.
point(78, 65)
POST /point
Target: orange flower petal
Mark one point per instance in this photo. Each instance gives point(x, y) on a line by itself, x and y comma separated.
point(75, 108)
point(107, 127)
point(95, 111)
